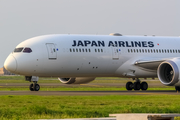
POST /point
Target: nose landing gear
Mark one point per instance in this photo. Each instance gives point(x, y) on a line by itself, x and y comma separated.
point(137, 85)
point(34, 86)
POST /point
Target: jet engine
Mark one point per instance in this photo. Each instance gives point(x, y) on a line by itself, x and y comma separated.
point(169, 72)
point(78, 80)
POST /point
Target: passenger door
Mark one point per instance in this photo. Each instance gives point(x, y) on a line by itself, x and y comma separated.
point(52, 54)
point(115, 53)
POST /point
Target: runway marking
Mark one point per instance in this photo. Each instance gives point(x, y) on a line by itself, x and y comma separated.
point(92, 85)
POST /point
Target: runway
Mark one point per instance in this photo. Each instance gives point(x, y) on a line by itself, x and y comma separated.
point(89, 93)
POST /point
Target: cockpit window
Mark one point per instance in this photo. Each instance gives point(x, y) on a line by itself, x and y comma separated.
point(27, 50)
point(18, 49)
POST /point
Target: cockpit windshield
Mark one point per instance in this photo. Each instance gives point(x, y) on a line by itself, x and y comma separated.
point(26, 50)
point(18, 49)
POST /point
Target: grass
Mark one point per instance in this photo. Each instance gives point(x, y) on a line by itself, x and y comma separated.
point(54, 107)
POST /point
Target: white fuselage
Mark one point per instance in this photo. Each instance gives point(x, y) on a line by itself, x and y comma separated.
point(91, 55)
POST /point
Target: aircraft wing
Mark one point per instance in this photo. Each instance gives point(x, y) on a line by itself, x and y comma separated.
point(150, 63)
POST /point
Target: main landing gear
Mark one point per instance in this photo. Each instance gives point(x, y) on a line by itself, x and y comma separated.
point(137, 85)
point(177, 88)
point(34, 86)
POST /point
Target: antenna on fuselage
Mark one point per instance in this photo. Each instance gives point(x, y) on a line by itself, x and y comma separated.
point(115, 34)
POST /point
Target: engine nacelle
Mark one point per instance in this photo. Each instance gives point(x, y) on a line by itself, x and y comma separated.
point(169, 72)
point(78, 80)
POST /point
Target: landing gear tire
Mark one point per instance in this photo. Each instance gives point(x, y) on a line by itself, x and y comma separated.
point(177, 88)
point(129, 85)
point(141, 85)
point(144, 86)
point(36, 87)
point(31, 87)
point(137, 86)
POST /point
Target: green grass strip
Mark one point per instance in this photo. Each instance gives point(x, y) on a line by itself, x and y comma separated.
point(56, 107)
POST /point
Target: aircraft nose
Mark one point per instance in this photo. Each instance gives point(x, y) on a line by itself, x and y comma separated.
point(10, 64)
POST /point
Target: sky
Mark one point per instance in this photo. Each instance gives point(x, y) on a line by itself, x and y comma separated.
point(24, 19)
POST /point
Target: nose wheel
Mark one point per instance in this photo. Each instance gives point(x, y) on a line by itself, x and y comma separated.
point(137, 85)
point(34, 86)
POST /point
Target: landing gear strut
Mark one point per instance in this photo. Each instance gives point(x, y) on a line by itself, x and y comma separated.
point(137, 85)
point(177, 88)
point(34, 86)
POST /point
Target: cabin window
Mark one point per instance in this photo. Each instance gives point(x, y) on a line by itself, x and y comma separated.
point(79, 50)
point(18, 49)
point(159, 51)
point(89, 50)
point(27, 50)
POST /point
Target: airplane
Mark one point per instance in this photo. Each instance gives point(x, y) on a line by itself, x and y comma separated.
point(77, 59)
